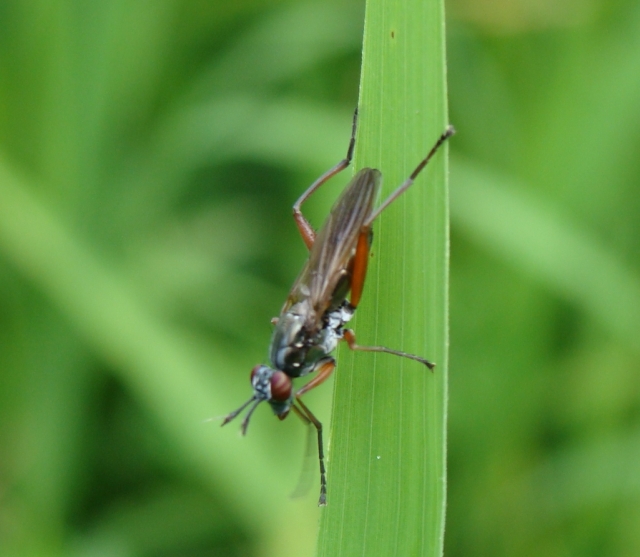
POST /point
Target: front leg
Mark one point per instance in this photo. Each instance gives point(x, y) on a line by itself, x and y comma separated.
point(324, 371)
point(307, 416)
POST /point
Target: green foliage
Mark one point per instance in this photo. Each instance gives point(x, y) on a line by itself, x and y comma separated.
point(545, 292)
point(387, 459)
point(149, 156)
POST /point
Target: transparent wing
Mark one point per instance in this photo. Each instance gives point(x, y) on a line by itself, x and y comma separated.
point(331, 254)
point(309, 465)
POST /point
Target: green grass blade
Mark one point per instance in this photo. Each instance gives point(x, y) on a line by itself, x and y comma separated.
point(166, 370)
point(529, 233)
point(387, 443)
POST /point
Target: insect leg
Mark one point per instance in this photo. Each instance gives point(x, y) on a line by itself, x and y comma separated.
point(407, 183)
point(350, 338)
point(306, 230)
point(324, 371)
point(360, 262)
point(307, 416)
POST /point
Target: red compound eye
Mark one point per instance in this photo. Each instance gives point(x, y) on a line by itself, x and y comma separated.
point(280, 386)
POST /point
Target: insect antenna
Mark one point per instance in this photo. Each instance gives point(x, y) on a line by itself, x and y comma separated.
point(233, 414)
point(245, 422)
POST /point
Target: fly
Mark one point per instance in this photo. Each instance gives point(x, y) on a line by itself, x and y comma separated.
point(313, 318)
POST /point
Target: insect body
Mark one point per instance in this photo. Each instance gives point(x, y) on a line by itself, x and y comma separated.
point(324, 297)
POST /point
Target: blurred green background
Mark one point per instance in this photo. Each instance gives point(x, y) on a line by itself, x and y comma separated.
point(150, 152)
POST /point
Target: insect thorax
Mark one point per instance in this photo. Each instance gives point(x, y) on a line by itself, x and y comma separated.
point(297, 348)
